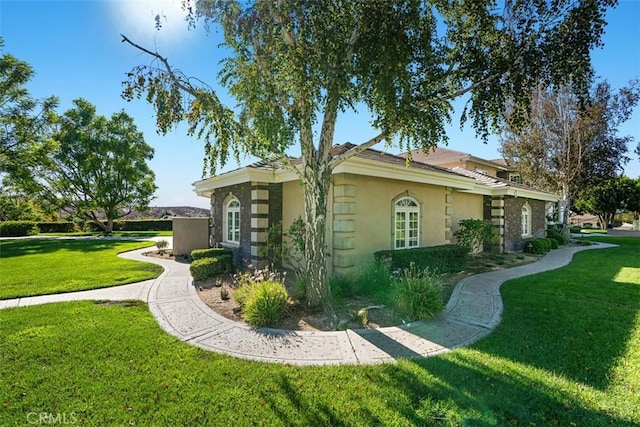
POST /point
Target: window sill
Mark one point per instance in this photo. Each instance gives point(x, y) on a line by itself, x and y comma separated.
point(230, 244)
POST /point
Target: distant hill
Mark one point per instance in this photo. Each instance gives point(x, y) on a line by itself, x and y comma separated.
point(160, 212)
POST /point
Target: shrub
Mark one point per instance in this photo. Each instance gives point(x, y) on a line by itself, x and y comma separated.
point(418, 294)
point(210, 253)
point(57, 227)
point(555, 232)
point(575, 229)
point(136, 225)
point(264, 303)
point(18, 228)
point(474, 233)
point(373, 278)
point(537, 246)
point(206, 268)
point(162, 245)
point(439, 259)
point(553, 243)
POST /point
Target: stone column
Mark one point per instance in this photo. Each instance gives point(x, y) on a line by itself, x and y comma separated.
point(344, 227)
point(497, 219)
point(259, 221)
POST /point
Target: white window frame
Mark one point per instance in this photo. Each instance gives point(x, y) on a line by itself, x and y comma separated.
point(406, 207)
point(525, 220)
point(231, 231)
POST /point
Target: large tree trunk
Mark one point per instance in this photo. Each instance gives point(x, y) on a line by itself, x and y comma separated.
point(317, 176)
point(563, 211)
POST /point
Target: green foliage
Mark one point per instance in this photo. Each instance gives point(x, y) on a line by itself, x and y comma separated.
point(18, 228)
point(205, 268)
point(473, 233)
point(418, 294)
point(443, 258)
point(538, 246)
point(295, 63)
point(264, 303)
point(25, 124)
point(555, 232)
point(99, 165)
point(210, 253)
point(553, 242)
point(575, 229)
point(57, 227)
point(134, 225)
point(162, 245)
point(272, 250)
point(609, 196)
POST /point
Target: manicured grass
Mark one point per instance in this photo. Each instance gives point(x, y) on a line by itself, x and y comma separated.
point(48, 266)
point(566, 353)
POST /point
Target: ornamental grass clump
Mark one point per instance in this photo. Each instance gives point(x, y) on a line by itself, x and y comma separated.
point(418, 294)
point(265, 303)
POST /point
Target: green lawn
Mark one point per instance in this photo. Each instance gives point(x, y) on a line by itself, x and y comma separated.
point(48, 266)
point(566, 353)
point(114, 234)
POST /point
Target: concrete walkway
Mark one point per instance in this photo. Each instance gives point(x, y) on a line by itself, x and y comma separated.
point(474, 310)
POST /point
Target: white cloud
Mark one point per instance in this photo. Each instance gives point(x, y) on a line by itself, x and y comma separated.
point(160, 22)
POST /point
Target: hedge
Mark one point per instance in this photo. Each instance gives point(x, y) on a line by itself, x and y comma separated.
point(441, 259)
point(210, 253)
point(136, 225)
point(540, 246)
point(205, 268)
point(57, 227)
point(18, 228)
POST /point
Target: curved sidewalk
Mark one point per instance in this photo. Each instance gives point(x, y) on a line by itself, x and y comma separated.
point(473, 311)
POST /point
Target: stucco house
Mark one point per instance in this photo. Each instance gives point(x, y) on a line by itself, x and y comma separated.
point(377, 201)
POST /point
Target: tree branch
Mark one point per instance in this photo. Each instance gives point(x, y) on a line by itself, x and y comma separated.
point(335, 161)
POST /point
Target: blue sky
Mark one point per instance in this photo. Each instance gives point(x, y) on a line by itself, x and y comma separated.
point(75, 48)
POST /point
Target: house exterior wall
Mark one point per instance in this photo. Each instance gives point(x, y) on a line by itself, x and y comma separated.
point(473, 166)
point(362, 214)
point(242, 191)
point(513, 239)
point(465, 206)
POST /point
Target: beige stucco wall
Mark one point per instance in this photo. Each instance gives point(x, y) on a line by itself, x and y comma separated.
point(465, 206)
point(190, 234)
point(360, 215)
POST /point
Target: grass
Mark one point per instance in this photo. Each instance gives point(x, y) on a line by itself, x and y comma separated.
point(48, 266)
point(566, 353)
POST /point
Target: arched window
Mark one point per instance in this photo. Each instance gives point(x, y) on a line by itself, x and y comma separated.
point(525, 218)
point(406, 223)
point(231, 223)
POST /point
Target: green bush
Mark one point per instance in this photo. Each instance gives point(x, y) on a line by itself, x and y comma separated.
point(575, 229)
point(441, 259)
point(210, 253)
point(418, 294)
point(136, 225)
point(539, 246)
point(18, 228)
point(555, 232)
point(57, 227)
point(474, 233)
point(553, 243)
point(264, 303)
point(206, 268)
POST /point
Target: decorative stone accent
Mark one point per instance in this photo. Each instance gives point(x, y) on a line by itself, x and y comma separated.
point(497, 218)
point(448, 212)
point(344, 227)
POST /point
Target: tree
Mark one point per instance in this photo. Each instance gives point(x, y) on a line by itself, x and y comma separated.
point(295, 65)
point(605, 199)
point(24, 122)
point(98, 166)
point(570, 142)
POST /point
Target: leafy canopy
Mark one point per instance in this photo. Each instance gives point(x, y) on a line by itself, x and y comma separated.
point(294, 65)
point(99, 165)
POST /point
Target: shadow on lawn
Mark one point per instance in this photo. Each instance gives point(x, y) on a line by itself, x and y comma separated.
point(19, 247)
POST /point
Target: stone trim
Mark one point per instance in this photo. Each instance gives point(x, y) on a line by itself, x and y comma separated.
point(344, 227)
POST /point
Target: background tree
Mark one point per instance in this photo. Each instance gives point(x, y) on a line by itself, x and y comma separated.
point(98, 166)
point(609, 196)
point(570, 141)
point(295, 65)
point(25, 122)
